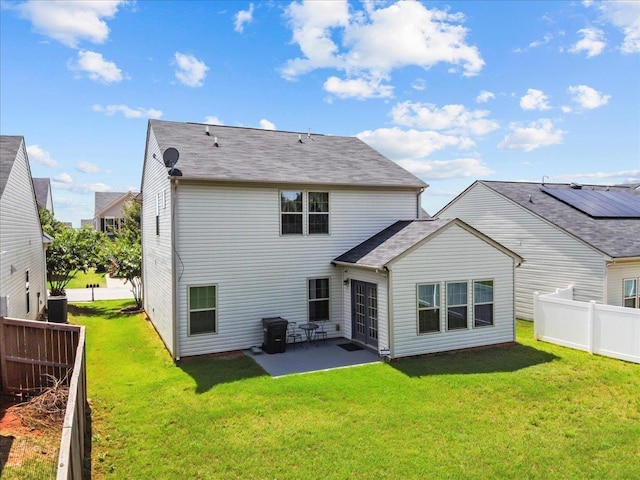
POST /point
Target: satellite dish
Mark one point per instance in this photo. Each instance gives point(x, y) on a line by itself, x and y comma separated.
point(170, 157)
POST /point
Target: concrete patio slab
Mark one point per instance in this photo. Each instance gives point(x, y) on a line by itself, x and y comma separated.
point(304, 358)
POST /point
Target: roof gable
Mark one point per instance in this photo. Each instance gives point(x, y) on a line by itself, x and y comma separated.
point(401, 237)
point(42, 187)
point(105, 200)
point(614, 237)
point(9, 145)
point(270, 156)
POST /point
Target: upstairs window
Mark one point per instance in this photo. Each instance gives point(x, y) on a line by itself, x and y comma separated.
point(291, 212)
point(318, 212)
point(456, 305)
point(429, 308)
point(631, 297)
point(482, 303)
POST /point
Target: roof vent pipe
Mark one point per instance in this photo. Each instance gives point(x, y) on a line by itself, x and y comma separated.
point(206, 130)
point(299, 138)
point(215, 141)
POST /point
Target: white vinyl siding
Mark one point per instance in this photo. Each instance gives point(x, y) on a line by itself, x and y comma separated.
point(259, 272)
point(552, 258)
point(616, 274)
point(157, 257)
point(21, 241)
point(453, 255)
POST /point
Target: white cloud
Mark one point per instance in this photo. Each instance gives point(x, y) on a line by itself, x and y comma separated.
point(534, 100)
point(71, 22)
point(541, 133)
point(368, 45)
point(63, 178)
point(34, 152)
point(212, 120)
point(626, 17)
point(623, 176)
point(358, 88)
point(546, 39)
point(398, 144)
point(191, 71)
point(592, 42)
point(484, 96)
point(86, 167)
point(128, 112)
point(451, 119)
point(243, 17)
point(419, 84)
point(587, 97)
point(446, 169)
point(267, 125)
point(96, 67)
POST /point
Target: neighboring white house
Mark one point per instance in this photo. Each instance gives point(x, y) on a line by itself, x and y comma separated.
point(42, 187)
point(23, 289)
point(108, 216)
point(240, 224)
point(584, 236)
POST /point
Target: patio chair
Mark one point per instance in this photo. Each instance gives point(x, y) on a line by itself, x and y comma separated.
point(321, 333)
point(293, 334)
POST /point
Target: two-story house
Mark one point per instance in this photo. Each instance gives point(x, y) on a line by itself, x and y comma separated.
point(23, 287)
point(108, 215)
point(584, 236)
point(239, 224)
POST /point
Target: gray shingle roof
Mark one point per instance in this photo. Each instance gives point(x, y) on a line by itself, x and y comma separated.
point(42, 187)
point(104, 199)
point(615, 237)
point(255, 155)
point(9, 145)
point(393, 241)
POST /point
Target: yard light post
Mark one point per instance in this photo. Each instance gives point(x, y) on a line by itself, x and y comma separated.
point(92, 286)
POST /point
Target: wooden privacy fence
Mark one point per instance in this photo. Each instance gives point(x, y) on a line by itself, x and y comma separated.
point(32, 351)
point(589, 326)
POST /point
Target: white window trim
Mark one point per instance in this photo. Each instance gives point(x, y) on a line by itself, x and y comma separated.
point(439, 308)
point(474, 303)
point(305, 212)
point(309, 300)
point(637, 295)
point(217, 321)
point(446, 304)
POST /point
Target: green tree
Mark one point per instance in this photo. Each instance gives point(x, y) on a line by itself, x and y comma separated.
point(125, 251)
point(72, 251)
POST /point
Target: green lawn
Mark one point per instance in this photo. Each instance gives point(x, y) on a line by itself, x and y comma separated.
point(80, 280)
point(532, 410)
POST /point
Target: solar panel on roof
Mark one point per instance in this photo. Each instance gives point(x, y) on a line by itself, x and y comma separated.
point(599, 203)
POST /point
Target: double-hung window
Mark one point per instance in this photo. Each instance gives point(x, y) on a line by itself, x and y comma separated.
point(318, 212)
point(482, 303)
point(457, 305)
point(429, 308)
point(318, 299)
point(631, 297)
point(291, 212)
point(203, 309)
point(304, 213)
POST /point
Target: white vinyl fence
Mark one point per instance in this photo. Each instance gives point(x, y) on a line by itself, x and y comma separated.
point(589, 326)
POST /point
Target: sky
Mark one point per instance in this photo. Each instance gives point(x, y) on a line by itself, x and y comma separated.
point(452, 91)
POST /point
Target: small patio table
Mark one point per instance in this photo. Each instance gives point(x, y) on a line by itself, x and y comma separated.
point(308, 330)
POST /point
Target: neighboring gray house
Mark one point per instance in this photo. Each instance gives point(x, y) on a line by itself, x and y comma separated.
point(42, 187)
point(250, 223)
point(108, 215)
point(23, 289)
point(587, 236)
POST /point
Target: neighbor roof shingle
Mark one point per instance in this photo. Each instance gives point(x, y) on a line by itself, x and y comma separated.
point(615, 237)
point(42, 186)
point(9, 145)
point(255, 155)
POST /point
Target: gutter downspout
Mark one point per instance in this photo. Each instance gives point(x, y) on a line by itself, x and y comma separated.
point(174, 269)
point(419, 202)
point(390, 314)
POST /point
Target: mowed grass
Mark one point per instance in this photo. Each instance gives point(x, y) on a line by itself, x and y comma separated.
point(532, 410)
point(81, 280)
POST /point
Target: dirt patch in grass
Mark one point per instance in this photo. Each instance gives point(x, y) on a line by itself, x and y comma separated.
point(25, 451)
